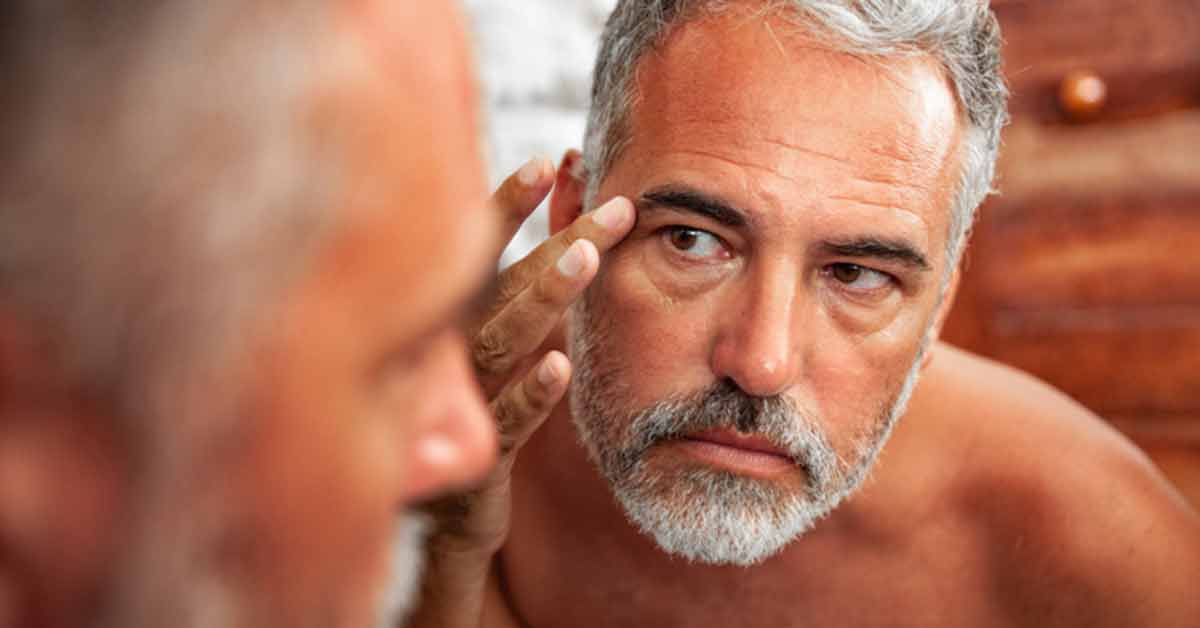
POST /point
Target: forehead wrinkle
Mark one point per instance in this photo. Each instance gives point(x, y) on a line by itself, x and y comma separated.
point(730, 160)
point(886, 178)
point(841, 159)
point(873, 203)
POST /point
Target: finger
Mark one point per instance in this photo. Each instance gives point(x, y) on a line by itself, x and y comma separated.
point(603, 227)
point(519, 195)
point(522, 325)
point(525, 404)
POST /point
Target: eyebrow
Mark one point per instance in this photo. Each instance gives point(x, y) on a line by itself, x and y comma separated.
point(879, 248)
point(694, 202)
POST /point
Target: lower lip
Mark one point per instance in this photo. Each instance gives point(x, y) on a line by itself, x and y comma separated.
point(735, 459)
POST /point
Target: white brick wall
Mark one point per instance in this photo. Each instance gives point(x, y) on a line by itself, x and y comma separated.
point(535, 60)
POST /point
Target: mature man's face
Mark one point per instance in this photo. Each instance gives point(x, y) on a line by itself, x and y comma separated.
point(743, 354)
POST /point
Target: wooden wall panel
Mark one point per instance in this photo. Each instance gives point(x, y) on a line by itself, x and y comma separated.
point(1085, 271)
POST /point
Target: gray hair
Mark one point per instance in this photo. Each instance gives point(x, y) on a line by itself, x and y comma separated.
point(160, 177)
point(163, 179)
point(962, 35)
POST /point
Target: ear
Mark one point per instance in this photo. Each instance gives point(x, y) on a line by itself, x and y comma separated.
point(941, 314)
point(570, 183)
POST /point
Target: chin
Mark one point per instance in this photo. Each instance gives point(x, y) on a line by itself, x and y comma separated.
point(712, 516)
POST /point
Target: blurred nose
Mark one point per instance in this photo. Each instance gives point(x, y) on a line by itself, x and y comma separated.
point(456, 444)
point(755, 346)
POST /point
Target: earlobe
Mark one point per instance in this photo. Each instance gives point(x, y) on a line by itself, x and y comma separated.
point(570, 183)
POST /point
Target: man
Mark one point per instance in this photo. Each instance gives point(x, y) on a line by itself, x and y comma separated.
point(804, 175)
point(235, 241)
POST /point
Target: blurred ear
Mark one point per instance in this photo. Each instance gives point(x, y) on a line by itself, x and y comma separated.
point(941, 314)
point(570, 183)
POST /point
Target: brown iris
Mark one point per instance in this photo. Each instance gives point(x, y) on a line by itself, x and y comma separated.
point(684, 239)
point(847, 273)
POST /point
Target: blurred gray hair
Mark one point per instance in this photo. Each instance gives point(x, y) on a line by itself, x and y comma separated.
point(160, 177)
point(163, 179)
point(962, 35)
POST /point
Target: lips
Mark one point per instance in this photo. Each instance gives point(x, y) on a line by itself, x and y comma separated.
point(748, 455)
point(747, 442)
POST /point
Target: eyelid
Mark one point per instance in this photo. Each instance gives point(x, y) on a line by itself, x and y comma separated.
point(889, 278)
point(893, 271)
point(667, 230)
point(662, 216)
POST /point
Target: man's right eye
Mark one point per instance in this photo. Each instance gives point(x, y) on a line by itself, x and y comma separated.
point(695, 244)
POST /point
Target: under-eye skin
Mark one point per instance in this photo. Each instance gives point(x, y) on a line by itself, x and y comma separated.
point(859, 281)
point(694, 245)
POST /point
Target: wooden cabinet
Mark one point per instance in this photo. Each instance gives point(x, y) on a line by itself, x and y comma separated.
point(1086, 269)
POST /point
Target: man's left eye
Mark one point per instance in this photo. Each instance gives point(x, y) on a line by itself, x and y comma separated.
point(695, 243)
point(858, 277)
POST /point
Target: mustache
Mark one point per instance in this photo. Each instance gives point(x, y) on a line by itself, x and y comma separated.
point(726, 406)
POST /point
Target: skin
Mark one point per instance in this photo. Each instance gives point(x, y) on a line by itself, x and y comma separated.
point(997, 502)
point(359, 389)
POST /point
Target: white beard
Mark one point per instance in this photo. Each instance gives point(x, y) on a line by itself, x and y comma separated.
point(708, 515)
point(401, 589)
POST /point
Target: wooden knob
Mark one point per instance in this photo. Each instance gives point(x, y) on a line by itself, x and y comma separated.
point(1082, 94)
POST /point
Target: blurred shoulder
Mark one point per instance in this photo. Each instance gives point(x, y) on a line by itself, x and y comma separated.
point(1062, 502)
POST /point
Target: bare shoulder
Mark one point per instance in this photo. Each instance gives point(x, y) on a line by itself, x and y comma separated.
point(1076, 522)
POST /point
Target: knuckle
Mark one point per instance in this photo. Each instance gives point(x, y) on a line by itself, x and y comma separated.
point(510, 290)
point(510, 285)
point(509, 418)
point(544, 292)
point(490, 353)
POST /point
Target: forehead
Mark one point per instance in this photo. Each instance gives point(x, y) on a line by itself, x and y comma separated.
point(764, 111)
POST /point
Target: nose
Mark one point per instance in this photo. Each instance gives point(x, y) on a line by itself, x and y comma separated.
point(755, 347)
point(457, 443)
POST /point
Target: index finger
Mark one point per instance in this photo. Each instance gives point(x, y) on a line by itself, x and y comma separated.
point(604, 227)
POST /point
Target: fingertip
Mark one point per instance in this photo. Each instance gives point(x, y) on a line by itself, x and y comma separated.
point(554, 369)
point(536, 171)
point(615, 214)
point(579, 259)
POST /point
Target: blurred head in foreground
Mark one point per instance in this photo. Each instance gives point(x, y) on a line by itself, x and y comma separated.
point(233, 240)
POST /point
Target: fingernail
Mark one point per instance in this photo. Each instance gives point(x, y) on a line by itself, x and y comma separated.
point(612, 214)
point(531, 171)
point(546, 374)
point(438, 451)
point(572, 262)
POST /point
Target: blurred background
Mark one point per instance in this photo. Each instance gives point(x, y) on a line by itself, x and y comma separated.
point(1085, 271)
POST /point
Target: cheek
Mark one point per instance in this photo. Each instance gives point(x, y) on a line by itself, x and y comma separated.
point(660, 340)
point(318, 480)
point(853, 378)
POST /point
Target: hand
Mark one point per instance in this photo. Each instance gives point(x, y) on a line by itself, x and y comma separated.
point(522, 383)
